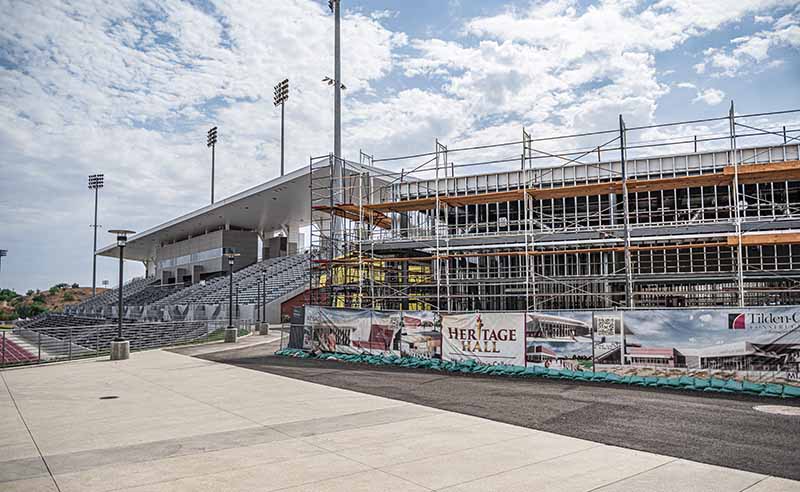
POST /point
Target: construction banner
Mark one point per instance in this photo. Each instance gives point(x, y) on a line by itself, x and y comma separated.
point(353, 331)
point(421, 334)
point(559, 340)
point(486, 338)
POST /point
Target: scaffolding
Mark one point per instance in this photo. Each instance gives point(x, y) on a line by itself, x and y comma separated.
point(565, 228)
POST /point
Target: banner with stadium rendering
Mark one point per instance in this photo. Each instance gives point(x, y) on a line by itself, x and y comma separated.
point(421, 334)
point(486, 338)
point(759, 344)
point(353, 331)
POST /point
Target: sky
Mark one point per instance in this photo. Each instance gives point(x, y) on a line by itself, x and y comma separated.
point(129, 89)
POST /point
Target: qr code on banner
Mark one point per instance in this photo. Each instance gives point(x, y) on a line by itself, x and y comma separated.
point(605, 326)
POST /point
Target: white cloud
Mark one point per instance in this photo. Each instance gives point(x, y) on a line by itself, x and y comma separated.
point(685, 85)
point(750, 54)
point(712, 97)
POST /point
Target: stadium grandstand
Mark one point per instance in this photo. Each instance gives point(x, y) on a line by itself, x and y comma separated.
point(187, 276)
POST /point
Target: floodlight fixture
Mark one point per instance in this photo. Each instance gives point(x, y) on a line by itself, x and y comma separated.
point(96, 181)
point(3, 252)
point(330, 81)
point(281, 92)
point(211, 137)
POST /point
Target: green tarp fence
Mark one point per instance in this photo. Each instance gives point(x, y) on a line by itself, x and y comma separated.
point(714, 385)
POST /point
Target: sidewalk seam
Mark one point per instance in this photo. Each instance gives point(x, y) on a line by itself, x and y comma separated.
point(25, 423)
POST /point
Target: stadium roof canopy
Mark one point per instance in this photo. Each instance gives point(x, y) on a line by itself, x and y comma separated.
point(264, 208)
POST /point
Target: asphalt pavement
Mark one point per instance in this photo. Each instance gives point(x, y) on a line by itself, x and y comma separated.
point(716, 429)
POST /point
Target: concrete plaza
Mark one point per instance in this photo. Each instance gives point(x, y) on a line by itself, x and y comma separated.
point(165, 421)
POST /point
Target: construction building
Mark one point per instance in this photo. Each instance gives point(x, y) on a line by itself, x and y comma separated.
point(649, 217)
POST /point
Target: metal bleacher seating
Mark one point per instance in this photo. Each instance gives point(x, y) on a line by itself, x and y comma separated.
point(59, 320)
point(151, 294)
point(282, 275)
point(109, 297)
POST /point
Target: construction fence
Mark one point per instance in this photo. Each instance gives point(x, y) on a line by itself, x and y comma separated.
point(754, 345)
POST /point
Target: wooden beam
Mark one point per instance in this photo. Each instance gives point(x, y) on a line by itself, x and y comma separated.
point(350, 212)
point(766, 239)
point(404, 205)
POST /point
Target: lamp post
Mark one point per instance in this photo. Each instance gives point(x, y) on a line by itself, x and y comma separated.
point(281, 95)
point(211, 141)
point(95, 183)
point(120, 348)
point(231, 332)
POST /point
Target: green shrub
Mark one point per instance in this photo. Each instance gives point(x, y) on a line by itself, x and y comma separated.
point(76, 286)
point(38, 299)
point(68, 297)
point(7, 295)
point(31, 310)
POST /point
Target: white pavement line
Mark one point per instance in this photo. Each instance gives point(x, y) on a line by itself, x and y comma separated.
point(753, 485)
point(14, 401)
point(599, 487)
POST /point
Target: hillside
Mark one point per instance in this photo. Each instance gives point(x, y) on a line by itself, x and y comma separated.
point(14, 305)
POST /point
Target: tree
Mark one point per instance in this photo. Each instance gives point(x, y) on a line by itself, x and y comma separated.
point(7, 295)
point(31, 310)
point(38, 299)
point(76, 286)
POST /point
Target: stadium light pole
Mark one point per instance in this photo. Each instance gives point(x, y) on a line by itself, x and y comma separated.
point(211, 141)
point(120, 348)
point(95, 183)
point(3, 252)
point(335, 6)
point(231, 332)
point(281, 95)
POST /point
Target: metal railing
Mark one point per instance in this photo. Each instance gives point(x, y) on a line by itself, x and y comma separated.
point(51, 344)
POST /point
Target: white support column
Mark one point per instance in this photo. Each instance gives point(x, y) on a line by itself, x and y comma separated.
point(360, 238)
point(626, 219)
point(437, 266)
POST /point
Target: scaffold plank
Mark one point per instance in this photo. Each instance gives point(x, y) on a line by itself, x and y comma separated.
point(766, 239)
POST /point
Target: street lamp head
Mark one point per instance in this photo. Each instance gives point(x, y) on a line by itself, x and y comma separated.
point(231, 254)
point(95, 181)
point(212, 137)
point(3, 252)
point(122, 236)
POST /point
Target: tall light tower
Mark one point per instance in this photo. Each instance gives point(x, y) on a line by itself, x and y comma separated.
point(337, 77)
point(95, 183)
point(281, 95)
point(3, 252)
point(212, 142)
